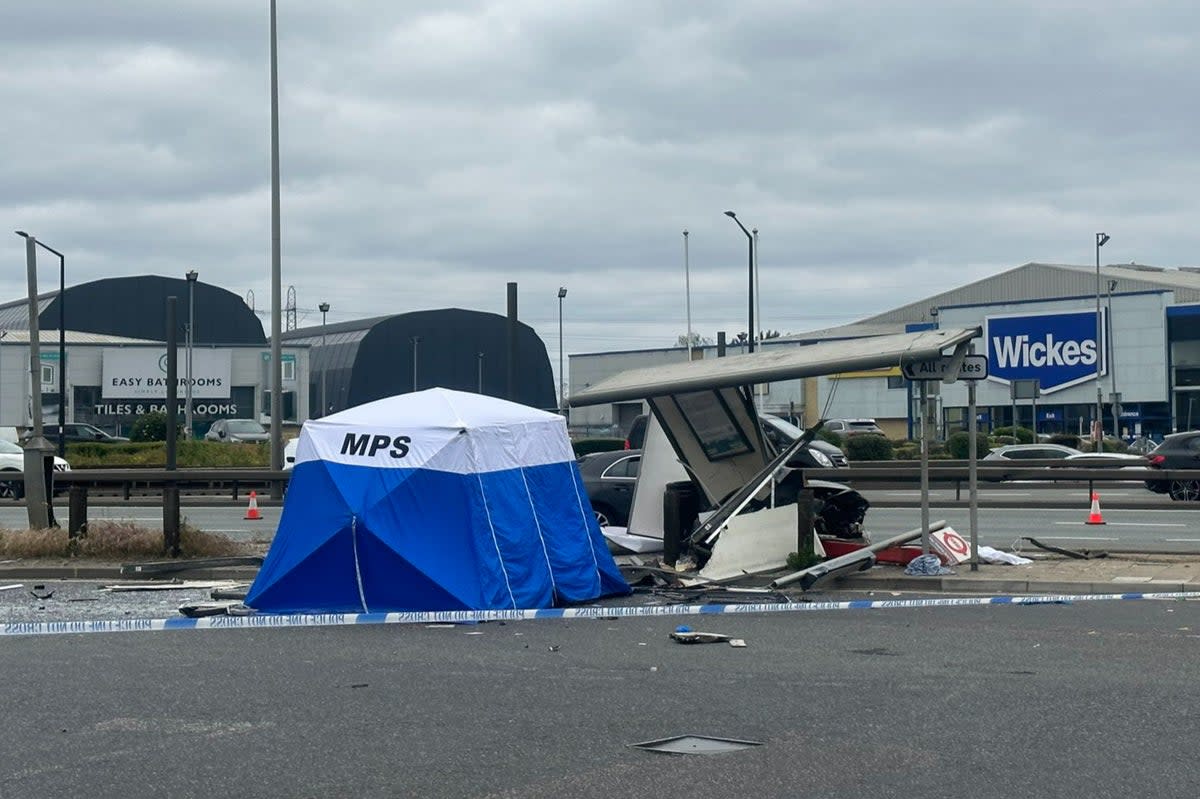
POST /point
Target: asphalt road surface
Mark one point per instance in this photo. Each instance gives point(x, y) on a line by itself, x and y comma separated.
point(1162, 526)
point(1092, 699)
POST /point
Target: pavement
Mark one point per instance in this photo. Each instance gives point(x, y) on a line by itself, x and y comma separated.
point(1048, 574)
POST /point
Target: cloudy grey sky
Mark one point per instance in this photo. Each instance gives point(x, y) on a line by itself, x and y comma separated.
point(431, 156)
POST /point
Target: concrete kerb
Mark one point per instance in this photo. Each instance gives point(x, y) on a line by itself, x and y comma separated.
point(1125, 572)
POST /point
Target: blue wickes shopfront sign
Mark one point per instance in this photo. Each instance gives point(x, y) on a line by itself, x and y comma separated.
point(1056, 349)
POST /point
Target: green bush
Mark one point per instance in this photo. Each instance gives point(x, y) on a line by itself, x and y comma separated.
point(586, 446)
point(868, 447)
point(908, 451)
point(152, 427)
point(1023, 435)
point(959, 445)
point(1066, 439)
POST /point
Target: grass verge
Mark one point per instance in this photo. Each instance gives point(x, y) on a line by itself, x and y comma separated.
point(113, 541)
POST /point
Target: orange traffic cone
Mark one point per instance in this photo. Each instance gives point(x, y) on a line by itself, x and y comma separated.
point(252, 511)
point(1094, 517)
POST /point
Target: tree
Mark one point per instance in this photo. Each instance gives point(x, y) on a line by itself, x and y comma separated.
point(697, 340)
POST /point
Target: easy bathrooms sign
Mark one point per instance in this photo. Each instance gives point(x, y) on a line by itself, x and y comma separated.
point(1057, 349)
point(141, 373)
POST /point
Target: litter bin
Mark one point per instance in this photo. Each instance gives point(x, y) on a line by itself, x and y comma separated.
point(681, 510)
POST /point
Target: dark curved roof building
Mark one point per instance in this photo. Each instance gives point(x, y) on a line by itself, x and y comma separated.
point(136, 307)
point(369, 359)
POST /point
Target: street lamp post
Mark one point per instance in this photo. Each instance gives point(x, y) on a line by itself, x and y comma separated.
point(62, 342)
point(192, 274)
point(1101, 240)
point(324, 358)
point(1112, 367)
point(416, 342)
point(750, 267)
point(687, 293)
point(562, 380)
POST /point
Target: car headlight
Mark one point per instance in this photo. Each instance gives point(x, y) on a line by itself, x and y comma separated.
point(821, 458)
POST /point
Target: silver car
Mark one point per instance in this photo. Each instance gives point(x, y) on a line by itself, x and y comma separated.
point(236, 430)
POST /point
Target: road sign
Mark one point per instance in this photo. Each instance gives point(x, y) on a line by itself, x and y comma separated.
point(950, 546)
point(973, 367)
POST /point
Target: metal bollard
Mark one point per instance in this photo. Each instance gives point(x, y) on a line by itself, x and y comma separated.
point(77, 511)
point(171, 519)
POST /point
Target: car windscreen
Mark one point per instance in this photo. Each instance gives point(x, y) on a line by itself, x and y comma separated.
point(244, 426)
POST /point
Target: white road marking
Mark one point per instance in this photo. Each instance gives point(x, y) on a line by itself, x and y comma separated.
point(1075, 538)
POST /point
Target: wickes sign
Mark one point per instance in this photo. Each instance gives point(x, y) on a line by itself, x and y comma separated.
point(1058, 349)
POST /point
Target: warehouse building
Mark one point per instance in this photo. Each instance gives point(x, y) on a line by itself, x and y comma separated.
point(1039, 323)
point(368, 359)
point(115, 365)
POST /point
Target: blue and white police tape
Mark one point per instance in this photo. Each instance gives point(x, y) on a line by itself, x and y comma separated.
point(263, 620)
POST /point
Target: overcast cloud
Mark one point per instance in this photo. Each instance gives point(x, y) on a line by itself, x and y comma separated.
point(431, 156)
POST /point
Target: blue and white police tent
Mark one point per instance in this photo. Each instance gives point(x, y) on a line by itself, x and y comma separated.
point(435, 500)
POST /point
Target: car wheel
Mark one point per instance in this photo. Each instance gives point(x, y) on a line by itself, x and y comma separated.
point(603, 515)
point(1185, 490)
point(11, 489)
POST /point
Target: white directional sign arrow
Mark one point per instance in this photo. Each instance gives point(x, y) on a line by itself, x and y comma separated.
point(973, 367)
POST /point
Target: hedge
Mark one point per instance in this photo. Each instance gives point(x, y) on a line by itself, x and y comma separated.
point(868, 447)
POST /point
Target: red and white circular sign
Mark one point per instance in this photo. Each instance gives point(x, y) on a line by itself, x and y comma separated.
point(955, 543)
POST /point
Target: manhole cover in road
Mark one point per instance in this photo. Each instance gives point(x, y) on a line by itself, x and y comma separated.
point(695, 745)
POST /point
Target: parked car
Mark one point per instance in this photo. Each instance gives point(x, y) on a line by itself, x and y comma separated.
point(609, 478)
point(12, 459)
point(289, 453)
point(852, 427)
point(1177, 451)
point(236, 430)
point(78, 432)
point(1023, 452)
point(781, 433)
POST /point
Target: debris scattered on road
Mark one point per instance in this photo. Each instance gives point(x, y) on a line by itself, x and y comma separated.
point(36, 595)
point(1083, 554)
point(198, 609)
point(992, 555)
point(172, 585)
point(11, 587)
point(926, 566)
point(690, 637)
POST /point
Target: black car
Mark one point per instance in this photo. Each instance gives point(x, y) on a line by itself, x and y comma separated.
point(78, 432)
point(1177, 451)
point(779, 432)
point(609, 478)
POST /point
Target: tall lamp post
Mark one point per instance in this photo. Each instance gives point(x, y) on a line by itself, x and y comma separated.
point(62, 342)
point(750, 267)
point(324, 358)
point(192, 274)
point(1101, 240)
point(687, 293)
point(1112, 368)
point(562, 379)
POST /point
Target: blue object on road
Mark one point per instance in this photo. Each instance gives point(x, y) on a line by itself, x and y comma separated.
point(926, 566)
point(435, 500)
